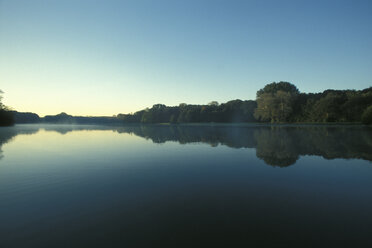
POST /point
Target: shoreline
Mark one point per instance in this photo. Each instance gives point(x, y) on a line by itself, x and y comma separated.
point(205, 124)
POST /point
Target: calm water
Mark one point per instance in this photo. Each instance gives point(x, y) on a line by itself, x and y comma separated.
point(191, 186)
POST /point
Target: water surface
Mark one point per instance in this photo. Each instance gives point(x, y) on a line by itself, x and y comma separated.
point(185, 186)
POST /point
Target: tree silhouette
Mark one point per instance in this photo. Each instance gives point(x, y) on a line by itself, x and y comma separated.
point(6, 116)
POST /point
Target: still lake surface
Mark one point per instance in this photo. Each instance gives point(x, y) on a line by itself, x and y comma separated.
point(185, 186)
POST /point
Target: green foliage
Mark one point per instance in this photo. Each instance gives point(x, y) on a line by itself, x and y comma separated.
point(367, 116)
point(232, 111)
point(333, 106)
point(327, 109)
point(275, 102)
point(282, 102)
point(275, 87)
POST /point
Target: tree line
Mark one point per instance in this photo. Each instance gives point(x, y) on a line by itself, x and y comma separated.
point(232, 111)
point(63, 118)
point(278, 102)
point(282, 102)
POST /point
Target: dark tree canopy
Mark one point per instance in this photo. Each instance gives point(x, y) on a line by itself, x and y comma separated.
point(282, 102)
point(25, 117)
point(280, 86)
point(278, 102)
point(367, 116)
point(232, 111)
point(6, 116)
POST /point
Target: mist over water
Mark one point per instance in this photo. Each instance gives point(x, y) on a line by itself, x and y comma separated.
point(185, 186)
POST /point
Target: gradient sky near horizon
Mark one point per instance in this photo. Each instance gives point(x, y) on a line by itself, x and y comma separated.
point(110, 57)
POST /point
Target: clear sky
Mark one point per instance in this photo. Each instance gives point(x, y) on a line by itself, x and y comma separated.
point(110, 57)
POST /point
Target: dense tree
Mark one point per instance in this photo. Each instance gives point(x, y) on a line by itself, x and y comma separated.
point(25, 117)
point(327, 109)
point(6, 116)
point(265, 104)
point(64, 118)
point(282, 102)
point(275, 102)
point(232, 111)
point(280, 86)
point(367, 116)
point(333, 106)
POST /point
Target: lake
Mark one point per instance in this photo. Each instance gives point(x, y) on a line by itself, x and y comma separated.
point(185, 186)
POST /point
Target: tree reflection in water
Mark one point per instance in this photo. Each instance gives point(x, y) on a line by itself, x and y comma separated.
point(276, 145)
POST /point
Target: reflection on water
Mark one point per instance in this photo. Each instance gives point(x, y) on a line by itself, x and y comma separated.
point(140, 186)
point(278, 146)
point(8, 133)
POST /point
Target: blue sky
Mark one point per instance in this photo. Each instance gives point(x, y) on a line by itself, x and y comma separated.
point(110, 57)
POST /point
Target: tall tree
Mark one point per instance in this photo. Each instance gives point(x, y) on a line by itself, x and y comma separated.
point(275, 102)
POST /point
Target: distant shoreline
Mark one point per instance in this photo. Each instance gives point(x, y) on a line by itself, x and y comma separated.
point(277, 104)
point(204, 124)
